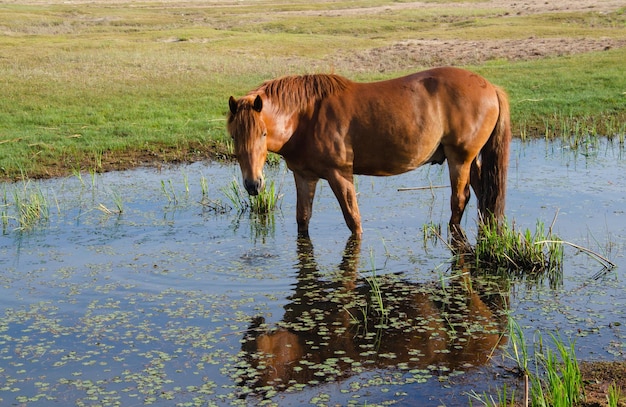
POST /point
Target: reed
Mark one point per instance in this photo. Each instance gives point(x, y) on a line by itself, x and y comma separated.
point(556, 380)
point(169, 191)
point(376, 292)
point(582, 131)
point(431, 233)
point(236, 196)
point(614, 395)
point(519, 353)
point(118, 203)
point(214, 205)
point(504, 399)
point(265, 202)
point(204, 187)
point(31, 207)
point(186, 184)
point(561, 385)
point(504, 247)
point(4, 211)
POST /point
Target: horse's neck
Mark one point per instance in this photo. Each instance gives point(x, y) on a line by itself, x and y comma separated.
point(281, 126)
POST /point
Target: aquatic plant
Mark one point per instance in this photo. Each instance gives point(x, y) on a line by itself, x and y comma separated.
point(186, 183)
point(431, 232)
point(519, 352)
point(79, 176)
point(4, 213)
point(266, 201)
point(236, 196)
point(117, 201)
point(204, 186)
point(31, 207)
point(214, 205)
point(504, 399)
point(169, 193)
point(561, 385)
point(376, 292)
point(503, 247)
point(556, 380)
point(579, 132)
point(613, 395)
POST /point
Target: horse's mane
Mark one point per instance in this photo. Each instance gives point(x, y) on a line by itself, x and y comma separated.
point(297, 92)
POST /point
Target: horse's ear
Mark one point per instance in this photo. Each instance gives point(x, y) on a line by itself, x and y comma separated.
point(232, 104)
point(258, 104)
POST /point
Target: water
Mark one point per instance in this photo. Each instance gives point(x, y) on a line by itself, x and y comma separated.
point(154, 306)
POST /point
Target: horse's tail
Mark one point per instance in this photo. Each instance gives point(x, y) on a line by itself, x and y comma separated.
point(494, 164)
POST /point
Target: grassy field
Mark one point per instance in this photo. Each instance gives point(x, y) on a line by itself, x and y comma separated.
point(107, 85)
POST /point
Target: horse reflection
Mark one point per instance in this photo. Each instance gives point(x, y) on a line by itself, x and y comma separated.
point(339, 325)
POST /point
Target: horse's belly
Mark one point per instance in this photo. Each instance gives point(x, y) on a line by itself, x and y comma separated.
point(385, 161)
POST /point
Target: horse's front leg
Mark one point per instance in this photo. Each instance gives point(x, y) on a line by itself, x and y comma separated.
point(343, 188)
point(305, 192)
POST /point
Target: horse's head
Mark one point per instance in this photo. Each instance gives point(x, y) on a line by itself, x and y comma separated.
point(249, 134)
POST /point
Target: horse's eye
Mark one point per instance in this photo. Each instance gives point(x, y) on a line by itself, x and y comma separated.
point(264, 134)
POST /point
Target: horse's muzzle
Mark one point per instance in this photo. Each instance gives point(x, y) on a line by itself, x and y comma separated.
point(253, 186)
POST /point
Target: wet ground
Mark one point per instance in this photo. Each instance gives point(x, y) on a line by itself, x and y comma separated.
point(179, 301)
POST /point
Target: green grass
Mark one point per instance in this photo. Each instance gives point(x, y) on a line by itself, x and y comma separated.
point(614, 395)
point(562, 385)
point(555, 381)
point(265, 202)
point(376, 293)
point(565, 97)
point(102, 86)
point(526, 252)
point(23, 207)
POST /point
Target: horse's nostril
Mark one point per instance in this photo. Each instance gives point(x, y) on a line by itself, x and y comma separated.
point(253, 186)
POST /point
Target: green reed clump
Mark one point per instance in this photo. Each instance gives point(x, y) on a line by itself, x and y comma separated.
point(431, 233)
point(561, 385)
point(519, 353)
point(555, 382)
point(613, 395)
point(236, 196)
point(583, 131)
point(266, 201)
point(502, 246)
point(169, 191)
point(29, 207)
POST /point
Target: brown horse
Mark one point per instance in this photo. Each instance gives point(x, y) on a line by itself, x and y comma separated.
point(326, 126)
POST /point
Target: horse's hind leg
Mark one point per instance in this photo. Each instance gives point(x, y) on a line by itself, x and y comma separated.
point(475, 179)
point(460, 183)
point(305, 192)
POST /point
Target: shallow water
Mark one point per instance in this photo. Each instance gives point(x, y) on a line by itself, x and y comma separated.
point(155, 305)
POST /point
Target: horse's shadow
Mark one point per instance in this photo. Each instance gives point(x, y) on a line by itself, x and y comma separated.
point(338, 324)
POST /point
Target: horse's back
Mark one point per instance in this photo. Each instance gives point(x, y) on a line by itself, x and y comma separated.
point(400, 124)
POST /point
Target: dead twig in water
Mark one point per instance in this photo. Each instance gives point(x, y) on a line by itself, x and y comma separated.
point(601, 259)
point(422, 188)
